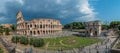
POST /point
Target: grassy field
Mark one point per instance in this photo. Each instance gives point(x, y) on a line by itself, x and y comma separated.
point(69, 42)
point(66, 43)
point(1, 50)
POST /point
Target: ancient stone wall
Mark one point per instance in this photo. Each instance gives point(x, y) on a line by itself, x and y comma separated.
point(37, 26)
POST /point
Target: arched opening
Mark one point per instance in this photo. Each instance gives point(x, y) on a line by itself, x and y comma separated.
point(28, 26)
point(95, 33)
point(31, 25)
point(25, 32)
point(46, 32)
point(49, 32)
point(35, 26)
point(34, 33)
point(91, 32)
point(87, 32)
point(43, 26)
point(40, 26)
point(43, 32)
point(30, 32)
point(38, 32)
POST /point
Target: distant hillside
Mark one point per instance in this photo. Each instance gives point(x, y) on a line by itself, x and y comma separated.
point(75, 25)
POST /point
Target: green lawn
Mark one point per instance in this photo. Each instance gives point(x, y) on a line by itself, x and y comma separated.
point(1, 50)
point(68, 42)
point(117, 45)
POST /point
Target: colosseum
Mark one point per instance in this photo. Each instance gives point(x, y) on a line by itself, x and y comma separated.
point(37, 27)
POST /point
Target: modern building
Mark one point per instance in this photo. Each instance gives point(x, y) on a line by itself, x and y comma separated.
point(93, 28)
point(38, 27)
point(7, 26)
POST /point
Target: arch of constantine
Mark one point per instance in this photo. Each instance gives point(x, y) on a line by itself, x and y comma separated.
point(93, 28)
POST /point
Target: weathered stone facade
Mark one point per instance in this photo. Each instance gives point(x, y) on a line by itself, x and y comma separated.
point(93, 28)
point(37, 26)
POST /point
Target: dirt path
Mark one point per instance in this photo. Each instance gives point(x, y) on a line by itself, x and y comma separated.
point(3, 48)
point(46, 46)
point(64, 44)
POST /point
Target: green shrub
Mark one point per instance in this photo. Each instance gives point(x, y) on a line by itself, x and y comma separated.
point(15, 39)
point(24, 40)
point(31, 41)
point(37, 42)
point(1, 51)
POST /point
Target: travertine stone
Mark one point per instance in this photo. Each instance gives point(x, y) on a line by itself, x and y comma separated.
point(93, 28)
point(37, 26)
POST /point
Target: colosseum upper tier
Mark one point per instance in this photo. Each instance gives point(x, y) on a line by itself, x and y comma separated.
point(40, 26)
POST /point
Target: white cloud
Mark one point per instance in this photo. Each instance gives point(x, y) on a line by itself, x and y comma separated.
point(2, 6)
point(68, 9)
point(58, 1)
point(61, 2)
point(4, 2)
point(2, 10)
point(2, 19)
point(63, 13)
point(83, 7)
point(20, 1)
point(86, 9)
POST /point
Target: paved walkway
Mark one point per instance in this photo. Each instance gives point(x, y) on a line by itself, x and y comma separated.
point(64, 44)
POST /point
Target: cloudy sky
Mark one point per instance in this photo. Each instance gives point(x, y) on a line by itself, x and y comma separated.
point(64, 10)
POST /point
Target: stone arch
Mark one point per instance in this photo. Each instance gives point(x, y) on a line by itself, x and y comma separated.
point(35, 26)
point(43, 32)
point(91, 31)
point(31, 33)
point(93, 28)
point(34, 32)
point(25, 33)
point(30, 25)
point(95, 33)
point(38, 32)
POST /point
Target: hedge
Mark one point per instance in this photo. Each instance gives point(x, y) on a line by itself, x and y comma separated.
point(24, 40)
point(31, 41)
point(15, 39)
point(37, 42)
